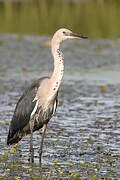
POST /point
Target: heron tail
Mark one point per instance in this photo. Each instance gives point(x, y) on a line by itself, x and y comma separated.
point(13, 138)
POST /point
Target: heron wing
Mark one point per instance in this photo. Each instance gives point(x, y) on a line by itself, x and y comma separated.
point(23, 110)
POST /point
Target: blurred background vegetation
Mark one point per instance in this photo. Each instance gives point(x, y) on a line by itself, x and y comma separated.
point(94, 18)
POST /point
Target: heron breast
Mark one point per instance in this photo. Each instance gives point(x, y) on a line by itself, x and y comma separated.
point(43, 114)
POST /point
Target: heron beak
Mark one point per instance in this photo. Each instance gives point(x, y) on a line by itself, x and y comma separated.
point(78, 36)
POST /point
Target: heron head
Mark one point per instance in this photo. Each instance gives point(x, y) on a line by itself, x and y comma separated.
point(64, 34)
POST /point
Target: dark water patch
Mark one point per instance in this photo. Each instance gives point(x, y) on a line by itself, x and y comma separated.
point(72, 155)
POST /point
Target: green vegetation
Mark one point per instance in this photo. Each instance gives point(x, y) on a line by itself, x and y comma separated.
point(97, 19)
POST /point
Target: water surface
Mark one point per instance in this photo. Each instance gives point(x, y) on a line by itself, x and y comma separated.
point(83, 138)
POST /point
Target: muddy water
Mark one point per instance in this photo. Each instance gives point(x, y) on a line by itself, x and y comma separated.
point(83, 138)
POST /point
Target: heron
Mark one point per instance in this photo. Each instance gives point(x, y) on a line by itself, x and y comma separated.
point(38, 102)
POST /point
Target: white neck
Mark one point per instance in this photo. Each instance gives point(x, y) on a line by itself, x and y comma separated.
point(58, 72)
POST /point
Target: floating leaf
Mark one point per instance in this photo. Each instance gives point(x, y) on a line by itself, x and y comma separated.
point(53, 143)
point(4, 120)
point(12, 150)
point(5, 155)
point(25, 69)
point(30, 169)
point(56, 166)
point(56, 160)
point(20, 37)
point(14, 60)
point(102, 89)
point(4, 164)
point(71, 163)
point(98, 148)
point(62, 170)
point(37, 176)
point(15, 165)
point(2, 70)
point(47, 176)
point(47, 43)
point(95, 169)
point(7, 170)
point(17, 177)
point(78, 175)
point(86, 144)
point(15, 145)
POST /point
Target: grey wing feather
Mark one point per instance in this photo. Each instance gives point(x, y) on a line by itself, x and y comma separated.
point(22, 112)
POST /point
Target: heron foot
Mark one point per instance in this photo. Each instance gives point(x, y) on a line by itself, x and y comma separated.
point(40, 155)
point(31, 155)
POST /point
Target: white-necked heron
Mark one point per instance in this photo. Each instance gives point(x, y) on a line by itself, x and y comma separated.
point(39, 101)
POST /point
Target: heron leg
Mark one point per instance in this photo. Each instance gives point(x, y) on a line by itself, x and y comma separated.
point(42, 140)
point(31, 141)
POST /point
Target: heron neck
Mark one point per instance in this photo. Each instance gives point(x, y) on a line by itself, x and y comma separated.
point(58, 72)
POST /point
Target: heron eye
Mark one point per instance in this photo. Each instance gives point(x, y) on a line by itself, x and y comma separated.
point(64, 32)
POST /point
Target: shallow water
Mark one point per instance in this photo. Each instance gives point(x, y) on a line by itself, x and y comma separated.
point(83, 138)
